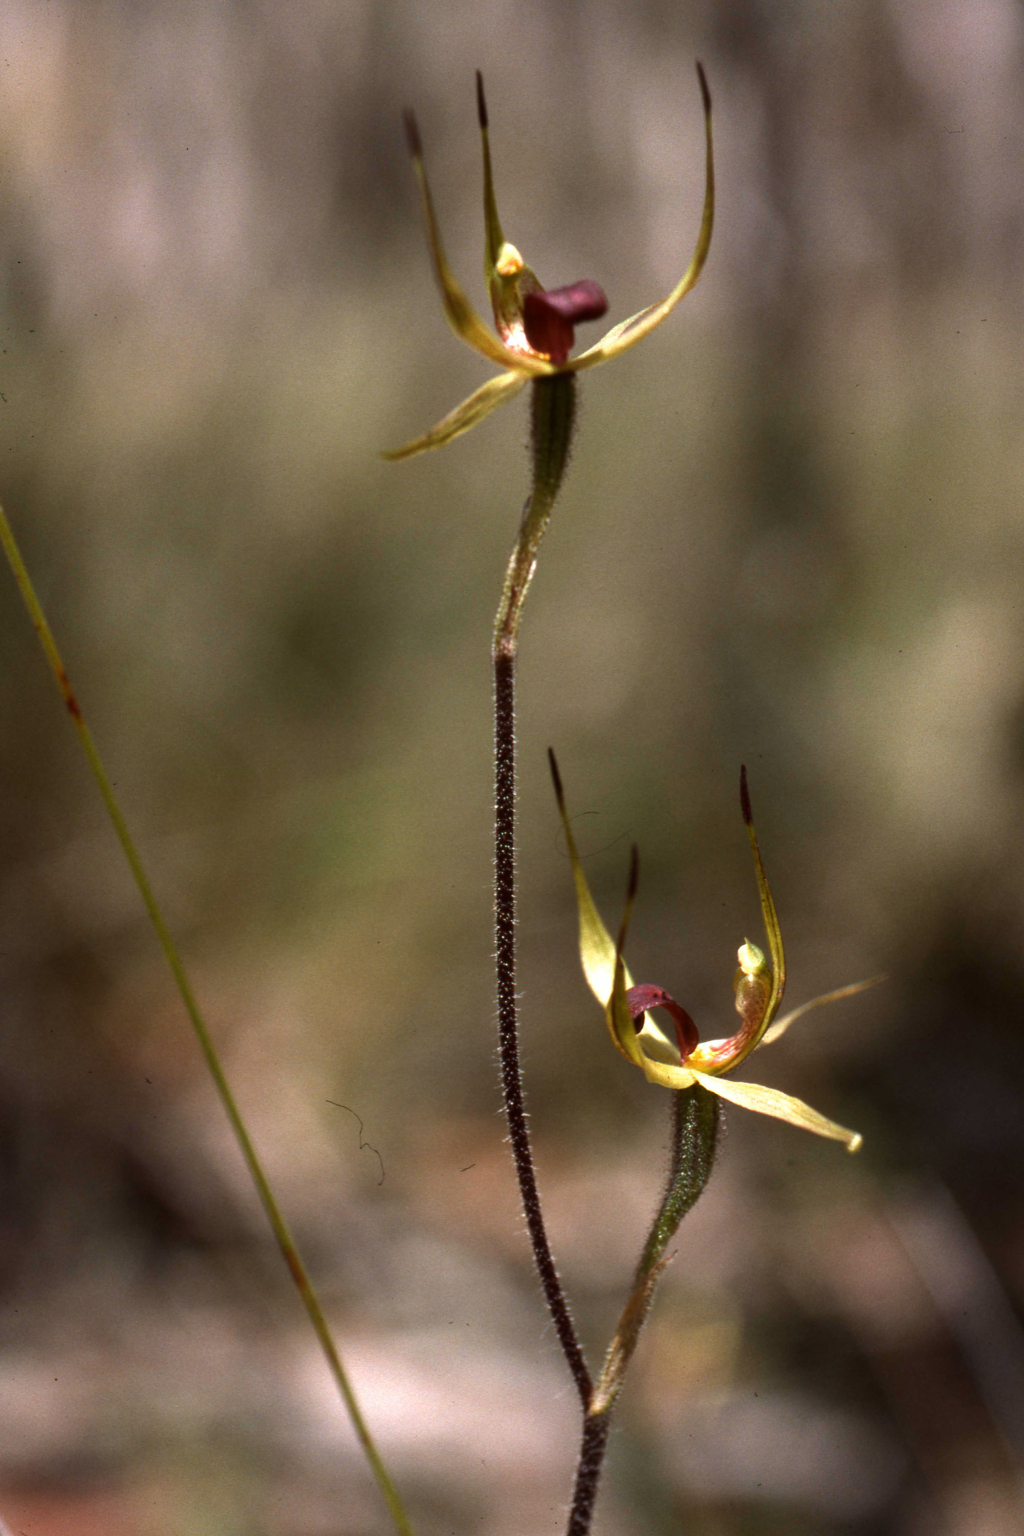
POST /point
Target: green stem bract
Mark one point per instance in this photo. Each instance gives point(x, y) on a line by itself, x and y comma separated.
point(285, 1241)
point(552, 419)
point(695, 1120)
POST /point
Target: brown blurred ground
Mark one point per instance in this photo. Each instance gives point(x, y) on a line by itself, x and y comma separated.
point(792, 535)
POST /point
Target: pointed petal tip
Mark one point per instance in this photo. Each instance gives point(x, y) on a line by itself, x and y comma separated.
point(620, 974)
point(748, 815)
point(479, 405)
point(407, 450)
point(704, 92)
point(412, 134)
point(481, 102)
point(556, 777)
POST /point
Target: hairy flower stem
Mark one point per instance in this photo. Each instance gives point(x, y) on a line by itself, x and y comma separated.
point(596, 1427)
point(281, 1231)
point(695, 1112)
point(695, 1120)
point(696, 1116)
point(552, 417)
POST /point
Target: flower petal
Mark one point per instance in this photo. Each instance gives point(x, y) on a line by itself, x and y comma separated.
point(640, 325)
point(597, 948)
point(779, 1028)
point(508, 278)
point(759, 986)
point(667, 1076)
point(493, 234)
point(768, 912)
point(655, 1043)
point(619, 1015)
point(461, 315)
point(480, 404)
point(769, 1101)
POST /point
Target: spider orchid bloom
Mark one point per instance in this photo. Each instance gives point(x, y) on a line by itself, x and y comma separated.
point(535, 326)
point(682, 1061)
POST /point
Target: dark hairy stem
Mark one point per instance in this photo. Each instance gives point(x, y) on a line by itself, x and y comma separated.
point(552, 420)
point(695, 1112)
point(588, 1472)
point(508, 1030)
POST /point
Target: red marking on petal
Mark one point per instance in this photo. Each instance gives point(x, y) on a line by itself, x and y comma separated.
point(643, 997)
point(546, 330)
point(549, 317)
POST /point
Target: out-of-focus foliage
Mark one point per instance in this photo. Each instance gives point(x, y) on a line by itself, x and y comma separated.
point(793, 535)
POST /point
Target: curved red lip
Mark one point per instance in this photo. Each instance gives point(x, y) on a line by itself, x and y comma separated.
point(643, 997)
point(551, 315)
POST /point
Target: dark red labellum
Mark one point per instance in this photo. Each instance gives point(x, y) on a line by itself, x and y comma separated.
point(549, 316)
point(643, 997)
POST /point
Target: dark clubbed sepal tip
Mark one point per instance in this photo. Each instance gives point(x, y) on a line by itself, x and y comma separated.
point(556, 777)
point(412, 135)
point(481, 100)
point(634, 874)
point(748, 815)
point(705, 93)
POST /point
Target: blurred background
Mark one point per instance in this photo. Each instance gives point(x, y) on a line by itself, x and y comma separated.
point(792, 536)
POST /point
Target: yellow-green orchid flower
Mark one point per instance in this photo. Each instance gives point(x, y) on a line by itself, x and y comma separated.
point(534, 326)
point(683, 1061)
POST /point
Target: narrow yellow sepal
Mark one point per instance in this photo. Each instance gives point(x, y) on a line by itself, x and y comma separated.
point(628, 332)
point(480, 404)
point(617, 1014)
point(597, 947)
point(768, 912)
point(770, 1101)
point(668, 1076)
point(620, 1021)
point(779, 1028)
point(459, 312)
point(494, 237)
point(759, 987)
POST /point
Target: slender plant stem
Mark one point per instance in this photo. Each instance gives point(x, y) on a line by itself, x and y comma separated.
point(596, 1427)
point(285, 1241)
point(508, 1034)
point(696, 1115)
point(552, 421)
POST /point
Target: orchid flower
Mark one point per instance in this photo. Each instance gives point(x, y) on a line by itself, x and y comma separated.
point(534, 327)
point(684, 1060)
